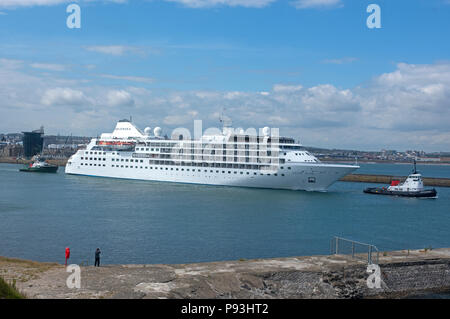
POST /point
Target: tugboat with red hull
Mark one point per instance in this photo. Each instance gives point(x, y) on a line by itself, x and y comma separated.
point(411, 187)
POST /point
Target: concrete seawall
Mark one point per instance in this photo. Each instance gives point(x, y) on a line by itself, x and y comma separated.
point(387, 179)
point(403, 273)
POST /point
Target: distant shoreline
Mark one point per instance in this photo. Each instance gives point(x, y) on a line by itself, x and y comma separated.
point(383, 162)
point(12, 160)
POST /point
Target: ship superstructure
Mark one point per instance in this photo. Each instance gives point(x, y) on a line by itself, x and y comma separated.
point(228, 158)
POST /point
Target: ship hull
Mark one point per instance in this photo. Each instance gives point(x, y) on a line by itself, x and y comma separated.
point(299, 176)
point(380, 191)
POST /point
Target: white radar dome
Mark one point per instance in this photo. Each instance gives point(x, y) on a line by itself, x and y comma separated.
point(266, 131)
point(157, 131)
point(147, 130)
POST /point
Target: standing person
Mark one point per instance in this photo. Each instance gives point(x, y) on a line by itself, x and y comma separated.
point(97, 257)
point(67, 255)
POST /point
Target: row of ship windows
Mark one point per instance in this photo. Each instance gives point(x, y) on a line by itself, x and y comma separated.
point(95, 153)
point(157, 150)
point(86, 164)
point(178, 169)
point(95, 158)
point(126, 160)
point(112, 159)
point(147, 149)
point(141, 161)
point(247, 159)
point(310, 179)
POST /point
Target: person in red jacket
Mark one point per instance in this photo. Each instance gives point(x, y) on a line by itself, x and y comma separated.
point(67, 254)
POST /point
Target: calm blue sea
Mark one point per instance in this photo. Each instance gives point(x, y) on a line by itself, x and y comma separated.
point(151, 222)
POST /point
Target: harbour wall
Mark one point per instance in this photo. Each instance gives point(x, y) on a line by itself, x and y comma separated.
point(403, 274)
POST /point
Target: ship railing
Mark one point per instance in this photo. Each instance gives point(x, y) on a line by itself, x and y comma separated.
point(355, 249)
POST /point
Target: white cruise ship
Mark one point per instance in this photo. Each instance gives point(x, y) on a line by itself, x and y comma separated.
point(229, 158)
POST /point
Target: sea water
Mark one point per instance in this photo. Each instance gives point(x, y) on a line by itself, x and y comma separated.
point(157, 222)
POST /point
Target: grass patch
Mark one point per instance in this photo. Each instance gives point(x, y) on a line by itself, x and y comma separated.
point(9, 291)
point(27, 263)
point(23, 270)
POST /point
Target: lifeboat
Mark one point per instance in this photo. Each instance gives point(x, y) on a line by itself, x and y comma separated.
point(118, 145)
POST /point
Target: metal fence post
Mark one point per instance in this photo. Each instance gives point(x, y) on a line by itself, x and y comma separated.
point(334, 247)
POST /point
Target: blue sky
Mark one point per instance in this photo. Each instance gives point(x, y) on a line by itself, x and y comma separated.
point(310, 67)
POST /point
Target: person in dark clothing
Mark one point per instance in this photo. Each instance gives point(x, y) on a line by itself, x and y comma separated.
point(97, 257)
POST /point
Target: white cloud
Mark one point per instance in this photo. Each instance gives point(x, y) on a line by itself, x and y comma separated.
point(206, 94)
point(140, 79)
point(403, 109)
point(234, 95)
point(176, 120)
point(231, 3)
point(412, 98)
point(187, 3)
point(116, 50)
point(29, 3)
point(307, 4)
point(116, 98)
point(10, 63)
point(340, 61)
point(416, 75)
point(64, 96)
point(32, 3)
point(49, 66)
point(286, 88)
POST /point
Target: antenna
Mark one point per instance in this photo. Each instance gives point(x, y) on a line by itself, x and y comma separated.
point(225, 120)
point(415, 170)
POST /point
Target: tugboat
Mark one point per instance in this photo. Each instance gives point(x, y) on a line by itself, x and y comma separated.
point(39, 165)
point(411, 187)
